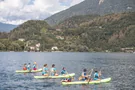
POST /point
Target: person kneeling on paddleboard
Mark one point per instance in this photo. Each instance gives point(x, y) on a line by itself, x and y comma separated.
point(64, 72)
point(25, 67)
point(29, 67)
point(35, 66)
point(84, 76)
point(45, 70)
point(96, 75)
point(53, 71)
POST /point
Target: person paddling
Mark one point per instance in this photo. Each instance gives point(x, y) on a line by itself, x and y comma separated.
point(25, 67)
point(29, 67)
point(53, 71)
point(64, 72)
point(84, 76)
point(45, 70)
point(35, 66)
point(96, 75)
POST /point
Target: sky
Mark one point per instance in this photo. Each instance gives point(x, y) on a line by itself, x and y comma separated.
point(18, 11)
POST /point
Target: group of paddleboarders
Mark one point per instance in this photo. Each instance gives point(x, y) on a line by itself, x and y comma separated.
point(54, 72)
point(86, 77)
point(28, 67)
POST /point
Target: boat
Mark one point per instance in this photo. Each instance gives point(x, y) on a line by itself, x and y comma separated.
point(28, 71)
point(86, 82)
point(55, 77)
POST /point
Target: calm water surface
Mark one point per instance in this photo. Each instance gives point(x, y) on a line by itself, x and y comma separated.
point(119, 66)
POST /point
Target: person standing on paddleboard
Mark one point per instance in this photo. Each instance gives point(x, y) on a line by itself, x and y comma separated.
point(35, 66)
point(45, 70)
point(53, 70)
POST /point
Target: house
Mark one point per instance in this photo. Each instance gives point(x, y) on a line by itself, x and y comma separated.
point(130, 50)
point(21, 39)
point(58, 29)
point(32, 48)
point(38, 45)
point(54, 48)
point(60, 37)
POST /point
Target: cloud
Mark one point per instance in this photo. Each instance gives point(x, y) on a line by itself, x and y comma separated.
point(74, 2)
point(19, 11)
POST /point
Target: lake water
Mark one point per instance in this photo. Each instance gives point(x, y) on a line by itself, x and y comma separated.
point(119, 66)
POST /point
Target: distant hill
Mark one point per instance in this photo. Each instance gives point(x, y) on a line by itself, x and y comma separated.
point(29, 30)
point(6, 27)
point(110, 32)
point(80, 33)
point(89, 7)
point(75, 21)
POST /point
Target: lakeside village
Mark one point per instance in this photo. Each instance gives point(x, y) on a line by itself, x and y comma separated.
point(36, 47)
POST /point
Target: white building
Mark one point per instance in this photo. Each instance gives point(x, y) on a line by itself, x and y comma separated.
point(54, 48)
point(21, 39)
point(32, 48)
point(38, 45)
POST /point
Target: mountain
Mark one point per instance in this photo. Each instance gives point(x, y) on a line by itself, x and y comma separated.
point(29, 30)
point(109, 32)
point(87, 7)
point(6, 27)
point(79, 33)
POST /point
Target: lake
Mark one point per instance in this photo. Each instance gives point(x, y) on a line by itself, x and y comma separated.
point(119, 66)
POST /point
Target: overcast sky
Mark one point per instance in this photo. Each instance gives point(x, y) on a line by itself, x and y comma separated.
point(19, 11)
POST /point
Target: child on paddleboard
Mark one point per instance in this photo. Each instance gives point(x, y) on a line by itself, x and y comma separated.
point(45, 70)
point(96, 75)
point(53, 70)
point(25, 67)
point(35, 66)
point(84, 76)
point(28, 66)
point(64, 72)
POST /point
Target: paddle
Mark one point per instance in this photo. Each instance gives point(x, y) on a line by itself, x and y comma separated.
point(90, 76)
point(100, 74)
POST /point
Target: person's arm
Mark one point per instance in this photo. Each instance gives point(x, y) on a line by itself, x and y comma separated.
point(99, 73)
point(66, 72)
point(83, 74)
point(37, 66)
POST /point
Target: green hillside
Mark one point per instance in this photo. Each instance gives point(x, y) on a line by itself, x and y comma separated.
point(79, 33)
point(110, 32)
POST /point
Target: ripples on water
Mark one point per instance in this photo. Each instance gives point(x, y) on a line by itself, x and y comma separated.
point(119, 66)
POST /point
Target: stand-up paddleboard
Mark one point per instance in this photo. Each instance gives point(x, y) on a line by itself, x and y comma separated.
point(28, 71)
point(54, 77)
point(86, 82)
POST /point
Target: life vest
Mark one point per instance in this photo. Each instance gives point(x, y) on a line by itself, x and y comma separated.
point(96, 76)
point(24, 68)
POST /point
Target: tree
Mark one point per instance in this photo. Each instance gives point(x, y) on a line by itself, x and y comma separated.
point(14, 47)
point(2, 47)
